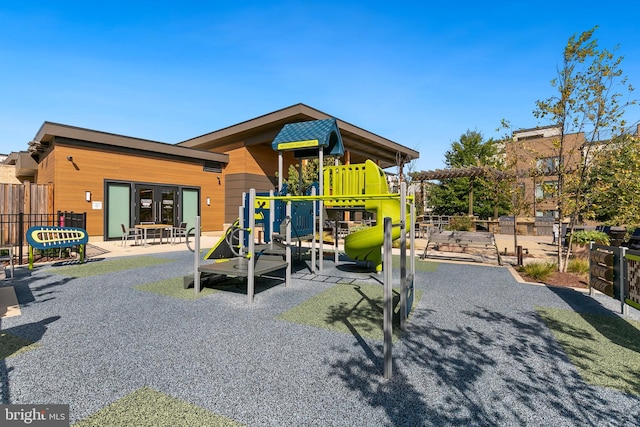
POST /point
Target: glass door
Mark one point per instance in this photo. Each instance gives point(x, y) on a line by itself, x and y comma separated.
point(156, 204)
point(167, 206)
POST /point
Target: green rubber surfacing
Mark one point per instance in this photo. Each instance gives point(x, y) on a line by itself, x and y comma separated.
point(355, 309)
point(147, 407)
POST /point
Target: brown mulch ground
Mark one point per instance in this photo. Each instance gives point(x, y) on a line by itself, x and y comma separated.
point(561, 279)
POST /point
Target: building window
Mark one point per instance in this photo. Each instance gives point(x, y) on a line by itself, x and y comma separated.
point(548, 164)
point(547, 214)
point(546, 189)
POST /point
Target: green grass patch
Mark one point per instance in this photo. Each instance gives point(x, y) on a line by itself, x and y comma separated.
point(148, 407)
point(605, 349)
point(94, 268)
point(11, 345)
point(348, 308)
point(428, 266)
point(174, 288)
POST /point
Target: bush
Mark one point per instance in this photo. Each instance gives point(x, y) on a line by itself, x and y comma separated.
point(583, 237)
point(358, 227)
point(460, 223)
point(539, 270)
point(579, 266)
point(396, 243)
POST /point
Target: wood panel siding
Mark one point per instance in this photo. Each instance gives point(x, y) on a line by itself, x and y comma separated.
point(238, 183)
point(256, 159)
point(90, 168)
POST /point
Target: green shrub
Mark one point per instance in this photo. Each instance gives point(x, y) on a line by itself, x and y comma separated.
point(583, 237)
point(460, 223)
point(396, 243)
point(539, 270)
point(579, 266)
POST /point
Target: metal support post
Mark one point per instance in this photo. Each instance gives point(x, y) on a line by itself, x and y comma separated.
point(196, 261)
point(314, 228)
point(387, 324)
point(251, 252)
point(288, 243)
point(403, 254)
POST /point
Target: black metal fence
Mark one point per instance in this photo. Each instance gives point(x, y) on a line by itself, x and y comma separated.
point(13, 227)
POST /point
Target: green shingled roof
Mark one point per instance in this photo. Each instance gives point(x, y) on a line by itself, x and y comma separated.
point(304, 138)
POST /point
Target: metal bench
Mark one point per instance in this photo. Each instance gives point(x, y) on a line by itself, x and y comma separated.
point(462, 239)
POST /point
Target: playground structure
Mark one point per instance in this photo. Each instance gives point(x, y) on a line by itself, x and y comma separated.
point(284, 217)
point(358, 186)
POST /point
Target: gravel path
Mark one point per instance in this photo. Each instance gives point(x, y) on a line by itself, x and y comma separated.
point(475, 353)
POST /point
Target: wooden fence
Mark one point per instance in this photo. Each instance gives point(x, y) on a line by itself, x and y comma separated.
point(26, 198)
point(19, 200)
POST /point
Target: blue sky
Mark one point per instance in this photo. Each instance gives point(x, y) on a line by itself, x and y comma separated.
point(418, 73)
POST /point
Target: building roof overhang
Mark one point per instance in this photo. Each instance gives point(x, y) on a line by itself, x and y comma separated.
point(50, 131)
point(361, 144)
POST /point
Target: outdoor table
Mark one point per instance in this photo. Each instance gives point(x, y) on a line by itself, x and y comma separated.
point(146, 227)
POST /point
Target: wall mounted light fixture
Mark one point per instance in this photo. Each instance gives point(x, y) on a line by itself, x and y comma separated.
point(87, 196)
point(208, 201)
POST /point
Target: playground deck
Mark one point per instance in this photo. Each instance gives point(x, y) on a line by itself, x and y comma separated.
point(239, 266)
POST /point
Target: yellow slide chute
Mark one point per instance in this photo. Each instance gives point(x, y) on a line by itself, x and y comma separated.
point(369, 180)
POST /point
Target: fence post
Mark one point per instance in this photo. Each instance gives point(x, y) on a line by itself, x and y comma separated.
point(622, 278)
point(20, 236)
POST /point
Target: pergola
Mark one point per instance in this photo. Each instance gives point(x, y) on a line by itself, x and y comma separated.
point(470, 172)
point(474, 172)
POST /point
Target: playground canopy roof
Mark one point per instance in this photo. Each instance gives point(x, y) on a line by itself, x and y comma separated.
point(306, 138)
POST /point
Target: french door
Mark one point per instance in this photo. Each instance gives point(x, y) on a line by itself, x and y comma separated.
point(155, 203)
point(129, 203)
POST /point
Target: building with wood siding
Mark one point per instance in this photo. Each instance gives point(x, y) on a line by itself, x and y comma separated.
point(119, 179)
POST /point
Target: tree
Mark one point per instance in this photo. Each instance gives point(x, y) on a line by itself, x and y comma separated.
point(614, 184)
point(516, 165)
point(589, 102)
point(310, 175)
point(478, 195)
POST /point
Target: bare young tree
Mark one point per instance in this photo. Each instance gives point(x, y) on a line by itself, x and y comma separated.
point(590, 101)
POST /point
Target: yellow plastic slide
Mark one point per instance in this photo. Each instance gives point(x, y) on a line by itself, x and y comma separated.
point(366, 245)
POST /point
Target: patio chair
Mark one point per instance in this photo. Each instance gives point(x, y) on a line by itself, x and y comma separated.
point(128, 233)
point(179, 232)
